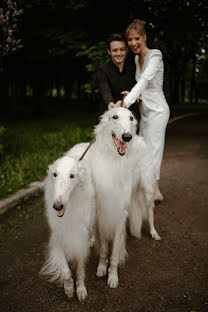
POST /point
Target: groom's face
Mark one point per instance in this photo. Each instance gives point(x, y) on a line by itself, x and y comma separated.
point(118, 51)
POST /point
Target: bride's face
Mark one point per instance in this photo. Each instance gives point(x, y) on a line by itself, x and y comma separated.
point(136, 41)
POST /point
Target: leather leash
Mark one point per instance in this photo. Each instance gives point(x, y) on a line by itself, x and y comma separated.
point(85, 152)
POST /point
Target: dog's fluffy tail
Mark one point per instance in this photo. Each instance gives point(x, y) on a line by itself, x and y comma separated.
point(52, 266)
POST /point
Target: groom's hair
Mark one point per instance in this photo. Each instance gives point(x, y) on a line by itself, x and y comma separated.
point(115, 37)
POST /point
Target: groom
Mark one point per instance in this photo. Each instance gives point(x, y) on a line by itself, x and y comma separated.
point(117, 75)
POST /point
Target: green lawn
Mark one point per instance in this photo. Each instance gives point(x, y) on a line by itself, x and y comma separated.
point(30, 146)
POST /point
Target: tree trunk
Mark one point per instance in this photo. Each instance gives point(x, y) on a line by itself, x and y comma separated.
point(193, 79)
point(183, 87)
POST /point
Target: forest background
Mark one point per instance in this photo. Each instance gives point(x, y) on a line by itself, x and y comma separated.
point(49, 51)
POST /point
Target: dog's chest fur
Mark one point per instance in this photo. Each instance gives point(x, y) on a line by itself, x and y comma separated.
point(112, 176)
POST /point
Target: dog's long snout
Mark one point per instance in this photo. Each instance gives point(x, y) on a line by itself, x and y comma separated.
point(126, 137)
point(58, 206)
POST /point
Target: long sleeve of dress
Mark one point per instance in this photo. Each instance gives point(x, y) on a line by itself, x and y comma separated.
point(104, 88)
point(153, 64)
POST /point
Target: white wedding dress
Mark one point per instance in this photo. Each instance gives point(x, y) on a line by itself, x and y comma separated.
point(154, 109)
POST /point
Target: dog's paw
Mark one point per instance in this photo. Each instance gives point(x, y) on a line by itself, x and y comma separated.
point(101, 270)
point(69, 291)
point(155, 236)
point(112, 280)
point(81, 293)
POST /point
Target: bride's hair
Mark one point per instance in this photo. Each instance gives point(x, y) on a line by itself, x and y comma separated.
point(138, 25)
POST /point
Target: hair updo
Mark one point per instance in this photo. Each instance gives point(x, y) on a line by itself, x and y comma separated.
point(138, 25)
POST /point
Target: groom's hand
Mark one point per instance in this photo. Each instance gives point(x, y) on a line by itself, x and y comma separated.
point(125, 93)
point(118, 103)
point(111, 105)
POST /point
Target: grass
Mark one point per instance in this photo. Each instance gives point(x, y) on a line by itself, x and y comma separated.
point(30, 146)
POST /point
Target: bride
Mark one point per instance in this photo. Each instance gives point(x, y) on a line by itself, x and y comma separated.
point(154, 109)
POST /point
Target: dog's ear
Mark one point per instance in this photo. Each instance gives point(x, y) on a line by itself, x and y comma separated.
point(50, 169)
point(135, 122)
point(81, 172)
point(104, 117)
point(102, 121)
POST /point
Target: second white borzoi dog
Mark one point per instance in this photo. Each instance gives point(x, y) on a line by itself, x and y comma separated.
point(69, 194)
point(124, 181)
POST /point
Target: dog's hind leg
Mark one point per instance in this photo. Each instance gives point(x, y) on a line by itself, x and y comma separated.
point(92, 237)
point(135, 216)
point(118, 243)
point(80, 274)
point(123, 253)
point(153, 231)
point(103, 262)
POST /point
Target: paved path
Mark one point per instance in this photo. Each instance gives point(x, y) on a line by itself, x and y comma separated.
point(170, 275)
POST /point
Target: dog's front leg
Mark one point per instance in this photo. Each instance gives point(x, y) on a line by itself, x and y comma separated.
point(103, 262)
point(67, 278)
point(80, 274)
point(118, 243)
point(153, 231)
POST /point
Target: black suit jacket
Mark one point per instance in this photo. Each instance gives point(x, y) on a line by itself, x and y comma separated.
point(112, 82)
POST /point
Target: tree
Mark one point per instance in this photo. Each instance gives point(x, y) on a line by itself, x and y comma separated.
point(9, 20)
point(10, 43)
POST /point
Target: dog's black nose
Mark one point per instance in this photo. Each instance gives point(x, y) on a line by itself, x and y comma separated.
point(58, 206)
point(126, 137)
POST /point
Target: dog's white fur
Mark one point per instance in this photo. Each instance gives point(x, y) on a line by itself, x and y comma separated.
point(124, 186)
point(70, 235)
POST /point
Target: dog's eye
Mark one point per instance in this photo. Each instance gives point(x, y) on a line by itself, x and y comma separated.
point(115, 117)
point(72, 176)
point(55, 174)
point(131, 118)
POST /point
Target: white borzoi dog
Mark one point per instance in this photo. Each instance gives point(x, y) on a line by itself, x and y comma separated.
point(124, 181)
point(69, 194)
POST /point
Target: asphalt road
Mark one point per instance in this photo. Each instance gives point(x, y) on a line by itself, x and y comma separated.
point(168, 275)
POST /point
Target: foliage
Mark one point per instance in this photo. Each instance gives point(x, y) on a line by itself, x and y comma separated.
point(9, 19)
point(64, 44)
point(32, 146)
point(94, 56)
point(84, 52)
point(76, 4)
